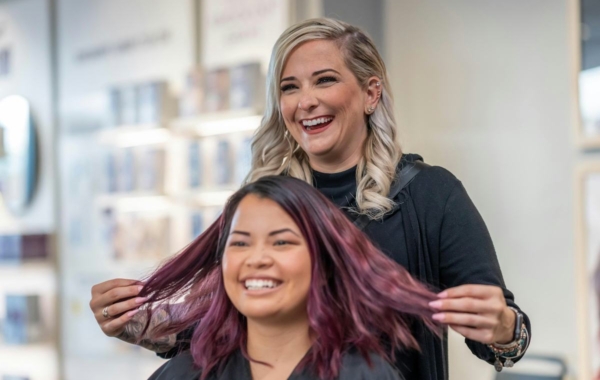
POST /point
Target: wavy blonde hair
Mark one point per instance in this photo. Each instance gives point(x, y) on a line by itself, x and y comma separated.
point(275, 152)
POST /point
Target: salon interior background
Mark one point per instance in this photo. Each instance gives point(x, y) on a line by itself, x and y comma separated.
point(487, 89)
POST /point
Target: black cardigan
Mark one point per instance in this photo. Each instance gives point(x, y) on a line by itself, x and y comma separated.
point(439, 236)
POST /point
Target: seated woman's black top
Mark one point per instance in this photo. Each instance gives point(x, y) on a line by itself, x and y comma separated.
point(354, 367)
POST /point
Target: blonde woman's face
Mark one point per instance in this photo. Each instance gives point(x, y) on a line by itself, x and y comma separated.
point(323, 106)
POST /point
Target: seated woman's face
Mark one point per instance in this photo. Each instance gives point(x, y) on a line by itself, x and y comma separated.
point(266, 263)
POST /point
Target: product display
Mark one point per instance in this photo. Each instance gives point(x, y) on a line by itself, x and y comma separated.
point(243, 159)
point(152, 102)
point(150, 165)
point(141, 237)
point(192, 98)
point(197, 221)
point(143, 103)
point(216, 91)
point(16, 249)
point(246, 88)
point(22, 324)
point(195, 165)
point(126, 170)
point(223, 168)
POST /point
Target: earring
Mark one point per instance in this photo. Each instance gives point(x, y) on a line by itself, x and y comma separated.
point(370, 110)
point(378, 84)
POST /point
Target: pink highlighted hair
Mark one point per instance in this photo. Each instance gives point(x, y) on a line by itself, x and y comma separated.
point(359, 298)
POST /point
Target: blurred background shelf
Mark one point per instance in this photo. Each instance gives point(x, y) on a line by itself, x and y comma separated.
point(218, 123)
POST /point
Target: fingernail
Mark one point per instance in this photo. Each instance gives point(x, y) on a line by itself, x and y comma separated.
point(438, 316)
point(132, 312)
point(141, 299)
point(443, 294)
point(435, 304)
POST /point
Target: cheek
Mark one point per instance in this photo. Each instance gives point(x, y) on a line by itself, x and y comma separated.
point(287, 109)
point(230, 269)
point(302, 273)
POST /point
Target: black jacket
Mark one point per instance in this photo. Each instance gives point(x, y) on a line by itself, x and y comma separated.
point(354, 367)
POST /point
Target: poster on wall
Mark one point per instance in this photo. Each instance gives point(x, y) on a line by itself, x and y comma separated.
point(235, 31)
point(589, 237)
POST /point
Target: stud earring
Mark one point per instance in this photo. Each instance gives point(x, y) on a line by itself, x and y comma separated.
point(378, 84)
point(370, 110)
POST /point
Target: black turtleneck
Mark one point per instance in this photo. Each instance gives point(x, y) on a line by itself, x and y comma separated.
point(340, 188)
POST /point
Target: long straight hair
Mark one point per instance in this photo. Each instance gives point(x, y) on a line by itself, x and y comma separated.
point(358, 297)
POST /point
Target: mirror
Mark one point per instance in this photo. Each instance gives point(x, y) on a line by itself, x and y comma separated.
point(18, 155)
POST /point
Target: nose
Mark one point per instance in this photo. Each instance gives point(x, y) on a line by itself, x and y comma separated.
point(307, 101)
point(259, 258)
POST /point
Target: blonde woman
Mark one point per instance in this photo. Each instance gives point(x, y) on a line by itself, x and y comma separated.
point(329, 121)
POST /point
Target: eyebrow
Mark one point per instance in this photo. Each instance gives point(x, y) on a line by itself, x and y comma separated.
point(313, 74)
point(276, 232)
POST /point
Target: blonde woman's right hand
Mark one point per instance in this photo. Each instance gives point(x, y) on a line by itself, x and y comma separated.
point(114, 304)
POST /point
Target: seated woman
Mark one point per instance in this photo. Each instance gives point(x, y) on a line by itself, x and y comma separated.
point(289, 289)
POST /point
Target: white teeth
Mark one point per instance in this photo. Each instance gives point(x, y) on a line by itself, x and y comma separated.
point(320, 120)
point(260, 284)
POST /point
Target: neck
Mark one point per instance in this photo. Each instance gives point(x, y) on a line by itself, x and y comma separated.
point(349, 158)
point(278, 345)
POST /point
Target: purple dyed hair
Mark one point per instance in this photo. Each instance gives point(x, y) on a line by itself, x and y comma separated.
point(358, 297)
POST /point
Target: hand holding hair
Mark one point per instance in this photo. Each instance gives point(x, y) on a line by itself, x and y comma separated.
point(477, 312)
point(114, 303)
point(115, 306)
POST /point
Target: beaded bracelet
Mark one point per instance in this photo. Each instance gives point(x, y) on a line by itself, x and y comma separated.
point(510, 351)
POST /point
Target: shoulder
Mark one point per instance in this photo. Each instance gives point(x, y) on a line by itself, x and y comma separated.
point(433, 183)
point(430, 175)
point(181, 367)
point(356, 367)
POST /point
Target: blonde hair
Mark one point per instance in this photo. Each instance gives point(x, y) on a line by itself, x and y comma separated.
point(275, 152)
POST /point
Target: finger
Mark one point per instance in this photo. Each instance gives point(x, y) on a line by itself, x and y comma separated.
point(105, 286)
point(484, 336)
point(115, 326)
point(114, 295)
point(474, 291)
point(115, 310)
point(465, 320)
point(463, 305)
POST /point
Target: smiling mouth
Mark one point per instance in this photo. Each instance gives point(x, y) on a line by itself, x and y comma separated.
point(261, 284)
point(315, 124)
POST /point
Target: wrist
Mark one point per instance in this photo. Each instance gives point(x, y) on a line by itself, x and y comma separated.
point(508, 322)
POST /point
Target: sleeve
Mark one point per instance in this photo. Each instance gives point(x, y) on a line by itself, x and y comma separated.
point(178, 368)
point(182, 344)
point(467, 256)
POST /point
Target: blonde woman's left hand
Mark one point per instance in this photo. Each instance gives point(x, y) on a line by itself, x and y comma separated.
point(477, 312)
